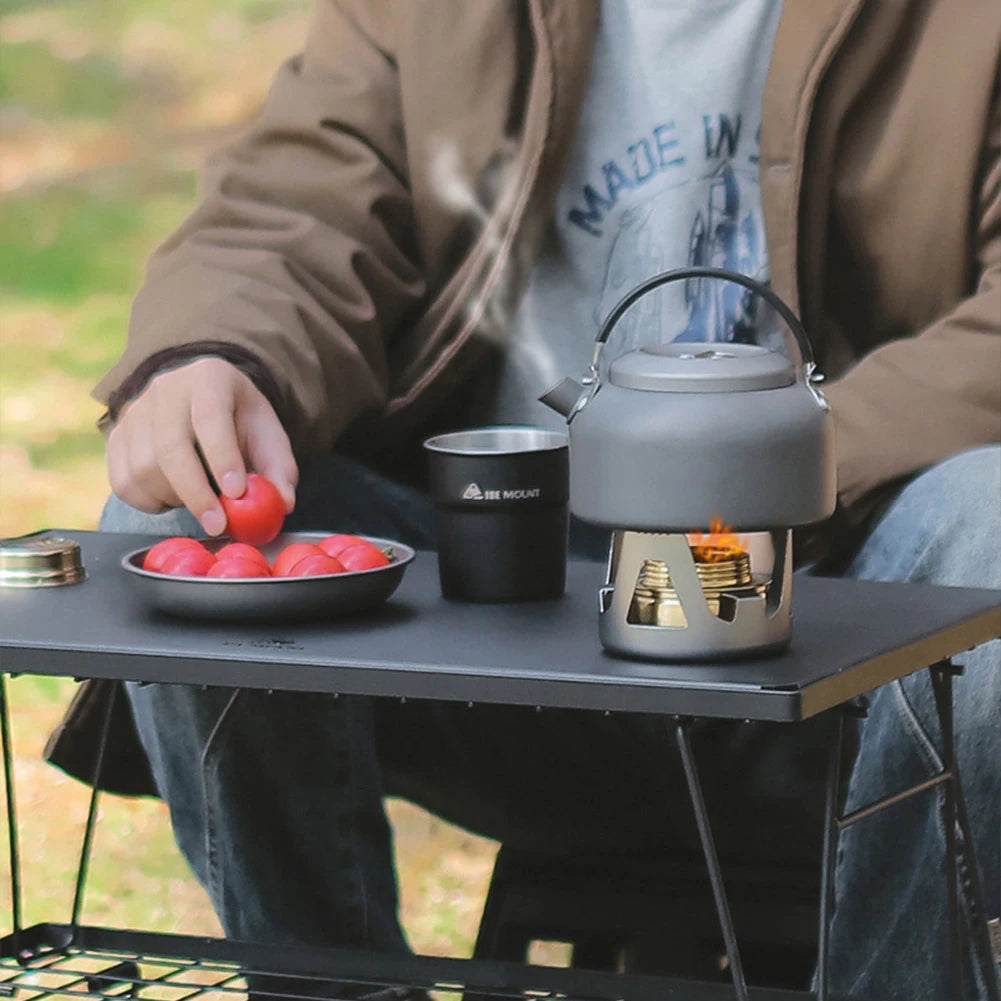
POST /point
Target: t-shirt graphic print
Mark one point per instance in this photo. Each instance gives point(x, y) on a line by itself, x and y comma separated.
point(663, 173)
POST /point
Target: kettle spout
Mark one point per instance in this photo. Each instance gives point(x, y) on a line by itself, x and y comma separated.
point(563, 397)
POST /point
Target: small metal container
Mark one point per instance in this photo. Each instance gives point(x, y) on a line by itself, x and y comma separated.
point(40, 560)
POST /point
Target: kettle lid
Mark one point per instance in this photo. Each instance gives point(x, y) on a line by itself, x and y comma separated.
point(708, 367)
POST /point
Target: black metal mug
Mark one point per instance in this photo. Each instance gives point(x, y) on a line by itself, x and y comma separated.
point(501, 512)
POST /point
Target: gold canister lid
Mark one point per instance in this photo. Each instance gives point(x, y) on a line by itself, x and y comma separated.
point(40, 560)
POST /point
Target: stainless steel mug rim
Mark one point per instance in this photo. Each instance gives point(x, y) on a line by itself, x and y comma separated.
point(509, 440)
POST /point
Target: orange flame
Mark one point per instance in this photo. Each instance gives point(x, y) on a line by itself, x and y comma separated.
point(722, 543)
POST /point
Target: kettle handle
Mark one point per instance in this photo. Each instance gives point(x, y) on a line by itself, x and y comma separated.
point(680, 274)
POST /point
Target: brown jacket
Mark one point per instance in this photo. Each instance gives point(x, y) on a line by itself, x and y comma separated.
point(355, 248)
point(362, 238)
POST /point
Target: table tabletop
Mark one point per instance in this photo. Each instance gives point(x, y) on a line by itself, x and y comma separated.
point(848, 638)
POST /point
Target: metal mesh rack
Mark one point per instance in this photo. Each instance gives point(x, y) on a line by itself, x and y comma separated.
point(116, 973)
point(63, 961)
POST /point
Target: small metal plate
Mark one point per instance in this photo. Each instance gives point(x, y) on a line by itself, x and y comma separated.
point(271, 599)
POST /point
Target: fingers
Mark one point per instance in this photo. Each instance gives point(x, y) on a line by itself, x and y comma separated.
point(181, 467)
point(268, 447)
point(213, 422)
point(133, 468)
point(153, 462)
point(132, 489)
point(205, 417)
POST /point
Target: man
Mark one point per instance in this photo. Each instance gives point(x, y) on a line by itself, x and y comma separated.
point(437, 206)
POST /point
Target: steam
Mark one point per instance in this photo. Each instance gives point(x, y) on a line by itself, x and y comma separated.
point(497, 191)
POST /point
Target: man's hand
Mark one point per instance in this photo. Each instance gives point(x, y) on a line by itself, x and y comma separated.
point(206, 405)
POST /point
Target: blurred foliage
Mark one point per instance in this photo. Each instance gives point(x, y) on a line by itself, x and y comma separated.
point(106, 111)
point(107, 108)
point(65, 242)
point(35, 79)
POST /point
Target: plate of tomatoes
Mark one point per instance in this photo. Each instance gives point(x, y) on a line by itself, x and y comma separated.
point(297, 575)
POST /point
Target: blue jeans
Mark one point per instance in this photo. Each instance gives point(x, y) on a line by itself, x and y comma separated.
point(276, 800)
point(889, 928)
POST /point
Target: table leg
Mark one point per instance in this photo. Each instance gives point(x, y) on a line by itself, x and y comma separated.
point(959, 851)
point(831, 829)
point(95, 791)
point(942, 687)
point(712, 860)
point(978, 917)
point(88, 836)
point(8, 778)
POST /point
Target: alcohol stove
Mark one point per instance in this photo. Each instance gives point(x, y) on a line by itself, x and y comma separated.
point(674, 436)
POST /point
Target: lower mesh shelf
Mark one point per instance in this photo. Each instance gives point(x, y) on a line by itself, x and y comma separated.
point(50, 961)
point(114, 973)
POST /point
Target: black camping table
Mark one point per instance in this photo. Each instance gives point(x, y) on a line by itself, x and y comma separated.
point(849, 637)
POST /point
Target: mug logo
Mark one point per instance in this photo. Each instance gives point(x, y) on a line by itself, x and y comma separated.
point(530, 494)
point(474, 492)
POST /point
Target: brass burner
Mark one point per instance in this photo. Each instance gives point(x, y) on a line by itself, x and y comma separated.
point(656, 603)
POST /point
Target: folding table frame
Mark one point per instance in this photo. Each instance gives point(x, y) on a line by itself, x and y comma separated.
point(420, 646)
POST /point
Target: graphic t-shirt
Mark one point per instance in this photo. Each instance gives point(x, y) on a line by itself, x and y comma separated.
point(663, 173)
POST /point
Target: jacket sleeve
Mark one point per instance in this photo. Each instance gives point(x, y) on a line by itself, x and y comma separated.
point(914, 402)
point(299, 257)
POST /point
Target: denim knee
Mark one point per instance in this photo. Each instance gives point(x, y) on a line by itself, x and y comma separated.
point(942, 528)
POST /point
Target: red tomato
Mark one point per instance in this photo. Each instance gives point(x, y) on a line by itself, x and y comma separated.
point(364, 556)
point(318, 563)
point(233, 566)
point(165, 548)
point(257, 516)
point(334, 545)
point(242, 551)
point(291, 555)
point(189, 563)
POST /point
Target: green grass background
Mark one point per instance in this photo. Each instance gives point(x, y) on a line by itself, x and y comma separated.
point(107, 108)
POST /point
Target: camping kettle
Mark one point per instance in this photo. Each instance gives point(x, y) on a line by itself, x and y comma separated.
point(676, 434)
